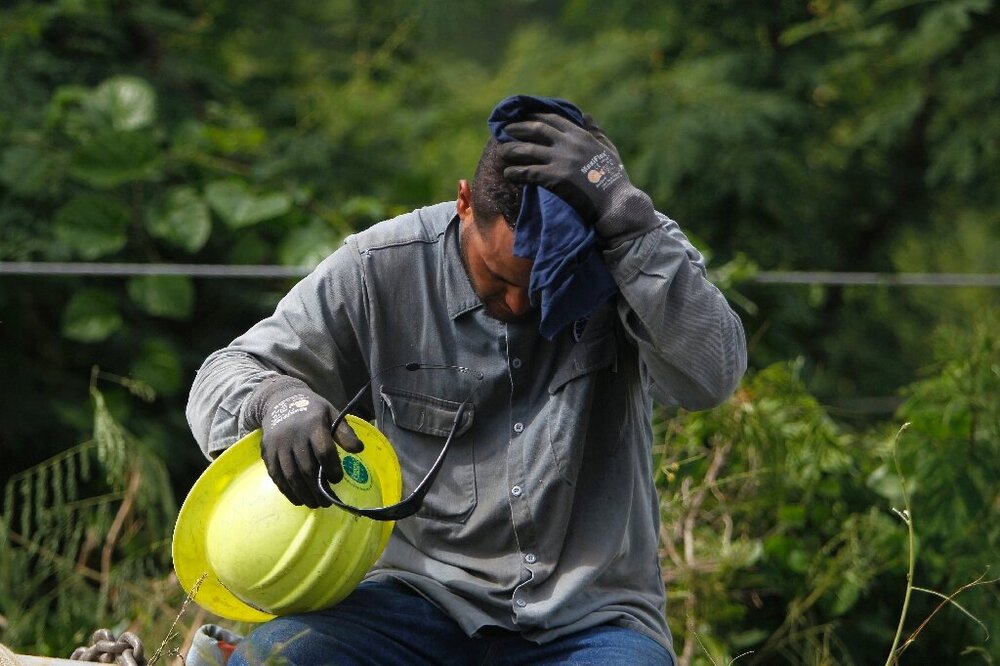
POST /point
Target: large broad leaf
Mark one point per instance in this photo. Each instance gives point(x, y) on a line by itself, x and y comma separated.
point(112, 158)
point(240, 207)
point(92, 225)
point(182, 219)
point(249, 248)
point(308, 246)
point(159, 366)
point(170, 296)
point(90, 316)
point(26, 170)
point(128, 102)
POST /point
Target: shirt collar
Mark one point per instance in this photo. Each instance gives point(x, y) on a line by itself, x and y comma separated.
point(459, 294)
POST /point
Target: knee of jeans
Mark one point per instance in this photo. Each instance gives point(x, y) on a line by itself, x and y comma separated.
point(271, 641)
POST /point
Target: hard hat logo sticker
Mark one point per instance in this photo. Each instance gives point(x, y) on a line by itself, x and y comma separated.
point(356, 472)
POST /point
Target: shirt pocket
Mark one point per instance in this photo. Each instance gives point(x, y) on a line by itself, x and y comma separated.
point(417, 426)
point(579, 404)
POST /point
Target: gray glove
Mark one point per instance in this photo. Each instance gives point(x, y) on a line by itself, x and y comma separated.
point(296, 438)
point(582, 167)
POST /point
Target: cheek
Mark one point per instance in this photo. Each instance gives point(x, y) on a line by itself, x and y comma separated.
point(493, 291)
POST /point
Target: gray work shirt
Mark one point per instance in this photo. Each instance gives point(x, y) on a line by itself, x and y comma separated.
point(545, 518)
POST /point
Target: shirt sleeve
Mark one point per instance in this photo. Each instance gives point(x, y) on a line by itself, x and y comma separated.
point(690, 341)
point(316, 335)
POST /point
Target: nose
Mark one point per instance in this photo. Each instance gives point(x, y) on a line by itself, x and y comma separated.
point(517, 300)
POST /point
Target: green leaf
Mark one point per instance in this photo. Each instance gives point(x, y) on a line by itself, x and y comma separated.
point(369, 209)
point(884, 481)
point(92, 225)
point(749, 638)
point(847, 597)
point(25, 170)
point(112, 158)
point(90, 316)
point(798, 561)
point(182, 219)
point(792, 515)
point(778, 546)
point(128, 102)
point(158, 365)
point(308, 246)
point(170, 296)
point(229, 140)
point(239, 207)
point(249, 248)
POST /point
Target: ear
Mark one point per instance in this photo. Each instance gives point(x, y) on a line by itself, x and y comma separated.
point(463, 204)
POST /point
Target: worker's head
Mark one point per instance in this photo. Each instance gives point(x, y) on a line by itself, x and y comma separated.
point(488, 210)
point(492, 194)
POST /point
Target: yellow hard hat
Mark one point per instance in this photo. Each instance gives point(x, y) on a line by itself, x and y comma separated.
point(261, 555)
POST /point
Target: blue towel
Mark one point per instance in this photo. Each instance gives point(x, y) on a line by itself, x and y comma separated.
point(569, 278)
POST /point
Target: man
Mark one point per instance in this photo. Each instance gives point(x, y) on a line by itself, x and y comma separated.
point(538, 541)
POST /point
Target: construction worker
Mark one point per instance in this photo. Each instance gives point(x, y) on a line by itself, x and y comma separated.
point(537, 542)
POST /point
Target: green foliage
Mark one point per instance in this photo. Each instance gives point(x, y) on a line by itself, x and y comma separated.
point(777, 526)
point(90, 316)
point(91, 225)
point(843, 135)
point(82, 542)
point(834, 134)
point(182, 219)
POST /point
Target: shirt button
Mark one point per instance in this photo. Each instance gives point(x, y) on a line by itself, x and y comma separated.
point(516, 363)
point(518, 427)
point(516, 491)
point(521, 603)
point(530, 558)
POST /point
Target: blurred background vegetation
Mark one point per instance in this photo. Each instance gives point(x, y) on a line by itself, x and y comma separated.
point(831, 135)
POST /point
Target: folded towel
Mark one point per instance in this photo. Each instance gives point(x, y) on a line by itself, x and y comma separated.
point(569, 279)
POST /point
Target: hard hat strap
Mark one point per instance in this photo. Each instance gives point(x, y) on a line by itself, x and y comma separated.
point(412, 504)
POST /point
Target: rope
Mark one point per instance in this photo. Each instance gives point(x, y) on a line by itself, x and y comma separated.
point(126, 650)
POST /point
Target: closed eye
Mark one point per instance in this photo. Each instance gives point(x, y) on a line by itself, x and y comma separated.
point(506, 281)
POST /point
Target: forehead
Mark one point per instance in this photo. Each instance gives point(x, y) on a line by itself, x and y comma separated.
point(497, 237)
point(498, 253)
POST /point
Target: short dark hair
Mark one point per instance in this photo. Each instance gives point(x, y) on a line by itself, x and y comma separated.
point(492, 194)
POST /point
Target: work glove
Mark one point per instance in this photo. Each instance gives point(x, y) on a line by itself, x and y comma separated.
point(296, 438)
point(582, 167)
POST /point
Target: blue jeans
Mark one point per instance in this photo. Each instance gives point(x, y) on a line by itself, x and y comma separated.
point(384, 624)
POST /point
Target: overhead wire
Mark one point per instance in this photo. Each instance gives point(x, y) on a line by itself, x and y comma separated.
point(226, 271)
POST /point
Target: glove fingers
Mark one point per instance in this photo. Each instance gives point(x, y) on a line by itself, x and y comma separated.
point(598, 133)
point(556, 121)
point(533, 175)
point(346, 437)
point(304, 476)
point(274, 471)
point(285, 476)
point(533, 131)
point(517, 175)
point(590, 123)
point(522, 152)
point(549, 129)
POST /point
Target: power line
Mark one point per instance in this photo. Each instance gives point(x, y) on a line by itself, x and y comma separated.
point(129, 270)
point(886, 279)
point(829, 278)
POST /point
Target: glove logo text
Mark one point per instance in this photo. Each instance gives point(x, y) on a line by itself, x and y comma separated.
point(602, 170)
point(289, 406)
point(592, 166)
